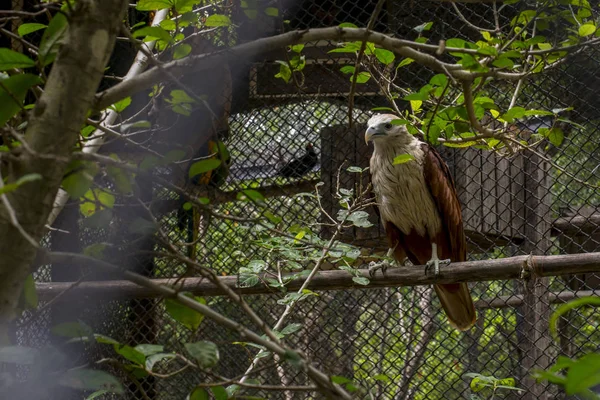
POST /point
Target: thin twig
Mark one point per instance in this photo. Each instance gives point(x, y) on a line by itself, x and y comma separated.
point(358, 62)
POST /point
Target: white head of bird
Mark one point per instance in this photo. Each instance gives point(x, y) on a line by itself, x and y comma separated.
point(381, 130)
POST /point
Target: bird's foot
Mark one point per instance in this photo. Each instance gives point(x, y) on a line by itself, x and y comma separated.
point(435, 264)
point(374, 267)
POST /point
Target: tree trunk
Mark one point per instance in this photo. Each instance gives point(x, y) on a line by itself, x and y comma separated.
point(53, 130)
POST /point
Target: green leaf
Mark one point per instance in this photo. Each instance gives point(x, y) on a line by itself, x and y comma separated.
point(153, 32)
point(26, 29)
point(199, 394)
point(272, 11)
point(181, 51)
point(583, 374)
point(218, 20)
point(360, 219)
point(285, 72)
point(130, 354)
point(72, 330)
point(29, 292)
point(503, 62)
point(12, 94)
point(405, 62)
point(564, 308)
point(154, 358)
point(347, 25)
point(219, 392)
point(382, 377)
point(514, 113)
point(439, 80)
point(77, 184)
point(487, 50)
point(402, 158)
point(385, 56)
point(121, 105)
point(252, 195)
point(123, 179)
point(297, 48)
point(149, 349)
point(9, 187)
point(416, 96)
point(184, 6)
point(347, 69)
point(340, 380)
point(291, 328)
point(90, 379)
point(362, 77)
point(168, 24)
point(10, 59)
point(361, 280)
point(203, 166)
point(95, 250)
point(556, 136)
point(206, 353)
point(189, 318)
point(51, 38)
point(423, 27)
point(587, 29)
point(152, 5)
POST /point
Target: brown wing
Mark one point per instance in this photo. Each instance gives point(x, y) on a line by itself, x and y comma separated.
point(441, 187)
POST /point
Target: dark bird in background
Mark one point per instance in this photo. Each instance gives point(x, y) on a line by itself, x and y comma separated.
point(419, 208)
point(299, 167)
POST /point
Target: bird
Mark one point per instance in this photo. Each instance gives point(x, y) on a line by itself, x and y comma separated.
point(299, 167)
point(419, 209)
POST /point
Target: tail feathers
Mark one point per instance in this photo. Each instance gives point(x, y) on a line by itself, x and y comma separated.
point(458, 305)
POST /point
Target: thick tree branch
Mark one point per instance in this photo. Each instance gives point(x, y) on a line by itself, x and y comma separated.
point(247, 51)
point(53, 130)
point(473, 271)
point(330, 389)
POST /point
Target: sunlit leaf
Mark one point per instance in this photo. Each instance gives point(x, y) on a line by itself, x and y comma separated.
point(152, 5)
point(218, 20)
point(587, 29)
point(153, 32)
point(26, 29)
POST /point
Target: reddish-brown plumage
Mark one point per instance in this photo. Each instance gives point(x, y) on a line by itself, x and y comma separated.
point(415, 242)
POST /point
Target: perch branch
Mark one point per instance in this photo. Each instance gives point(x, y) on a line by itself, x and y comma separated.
point(471, 271)
point(330, 389)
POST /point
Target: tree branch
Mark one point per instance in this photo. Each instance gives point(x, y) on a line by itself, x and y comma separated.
point(473, 271)
point(246, 51)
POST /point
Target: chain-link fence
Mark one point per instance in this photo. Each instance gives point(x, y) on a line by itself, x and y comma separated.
point(394, 342)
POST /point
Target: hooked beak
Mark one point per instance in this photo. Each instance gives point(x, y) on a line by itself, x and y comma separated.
point(373, 132)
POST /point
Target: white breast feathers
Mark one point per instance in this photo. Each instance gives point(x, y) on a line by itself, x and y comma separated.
point(402, 194)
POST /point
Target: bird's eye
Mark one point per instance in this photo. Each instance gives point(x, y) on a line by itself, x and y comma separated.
point(388, 126)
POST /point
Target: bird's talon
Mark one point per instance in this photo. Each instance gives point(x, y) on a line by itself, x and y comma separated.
point(435, 264)
point(374, 267)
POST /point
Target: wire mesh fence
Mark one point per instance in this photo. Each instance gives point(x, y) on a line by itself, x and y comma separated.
point(393, 341)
